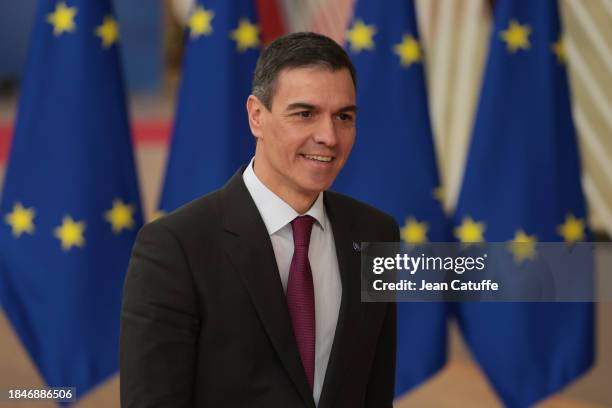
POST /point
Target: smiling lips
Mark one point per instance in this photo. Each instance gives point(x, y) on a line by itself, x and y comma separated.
point(315, 157)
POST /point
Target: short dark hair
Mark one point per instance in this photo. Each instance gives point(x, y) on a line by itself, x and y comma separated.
point(303, 49)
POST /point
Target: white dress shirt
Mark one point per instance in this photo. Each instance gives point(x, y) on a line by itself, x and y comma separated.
point(277, 216)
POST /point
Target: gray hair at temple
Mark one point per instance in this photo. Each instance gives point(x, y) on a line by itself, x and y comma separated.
point(302, 49)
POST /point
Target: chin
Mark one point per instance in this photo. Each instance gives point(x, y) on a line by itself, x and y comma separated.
point(314, 182)
point(317, 187)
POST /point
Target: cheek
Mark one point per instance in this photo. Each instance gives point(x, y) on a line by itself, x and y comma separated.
point(276, 142)
point(347, 141)
point(285, 151)
point(295, 141)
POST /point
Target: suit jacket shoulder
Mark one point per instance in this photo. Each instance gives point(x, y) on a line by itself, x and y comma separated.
point(202, 214)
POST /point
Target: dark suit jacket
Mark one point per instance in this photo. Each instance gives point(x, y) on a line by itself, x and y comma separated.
point(204, 321)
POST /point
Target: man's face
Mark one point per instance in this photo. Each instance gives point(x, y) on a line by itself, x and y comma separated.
point(307, 135)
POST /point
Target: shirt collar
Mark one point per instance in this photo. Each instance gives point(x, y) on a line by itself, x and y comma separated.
point(275, 212)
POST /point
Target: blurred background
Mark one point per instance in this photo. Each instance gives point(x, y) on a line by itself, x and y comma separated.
point(455, 38)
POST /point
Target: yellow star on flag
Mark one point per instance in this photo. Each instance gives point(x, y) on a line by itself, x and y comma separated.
point(108, 31)
point(361, 36)
point(522, 246)
point(439, 193)
point(246, 35)
point(516, 36)
point(414, 232)
point(21, 220)
point(62, 19)
point(121, 216)
point(470, 231)
point(558, 48)
point(199, 22)
point(408, 50)
point(572, 230)
point(70, 233)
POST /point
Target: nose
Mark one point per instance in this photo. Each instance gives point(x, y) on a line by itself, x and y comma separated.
point(326, 132)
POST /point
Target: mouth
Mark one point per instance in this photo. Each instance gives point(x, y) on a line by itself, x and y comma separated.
point(318, 158)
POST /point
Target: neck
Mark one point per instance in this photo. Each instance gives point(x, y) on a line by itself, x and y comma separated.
point(300, 202)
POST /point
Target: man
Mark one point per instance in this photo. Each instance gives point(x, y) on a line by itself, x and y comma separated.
point(250, 296)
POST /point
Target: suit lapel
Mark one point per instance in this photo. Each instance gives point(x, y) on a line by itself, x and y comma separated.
point(250, 250)
point(349, 316)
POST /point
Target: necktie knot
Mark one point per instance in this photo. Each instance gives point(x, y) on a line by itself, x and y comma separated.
point(302, 227)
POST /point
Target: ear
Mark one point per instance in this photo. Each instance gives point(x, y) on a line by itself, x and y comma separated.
point(255, 111)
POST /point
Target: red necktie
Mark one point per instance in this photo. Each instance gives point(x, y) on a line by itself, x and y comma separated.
point(300, 295)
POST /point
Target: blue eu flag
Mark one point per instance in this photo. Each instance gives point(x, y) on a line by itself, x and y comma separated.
point(70, 207)
point(522, 184)
point(392, 165)
point(211, 136)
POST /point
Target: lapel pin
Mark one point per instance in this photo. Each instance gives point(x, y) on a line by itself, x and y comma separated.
point(356, 246)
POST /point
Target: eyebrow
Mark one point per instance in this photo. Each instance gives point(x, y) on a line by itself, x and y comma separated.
point(300, 105)
point(308, 106)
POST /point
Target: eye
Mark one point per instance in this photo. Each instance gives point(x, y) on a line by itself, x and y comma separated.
point(345, 117)
point(305, 114)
